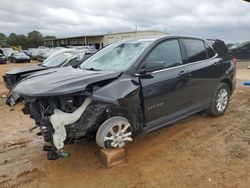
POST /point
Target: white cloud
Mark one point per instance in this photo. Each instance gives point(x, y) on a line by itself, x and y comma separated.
point(226, 19)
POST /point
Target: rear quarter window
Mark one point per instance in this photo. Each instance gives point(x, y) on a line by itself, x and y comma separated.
point(210, 52)
point(195, 49)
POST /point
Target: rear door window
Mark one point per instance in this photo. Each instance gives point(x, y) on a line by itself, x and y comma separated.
point(195, 49)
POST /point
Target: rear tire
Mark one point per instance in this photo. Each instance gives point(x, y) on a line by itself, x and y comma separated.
point(220, 101)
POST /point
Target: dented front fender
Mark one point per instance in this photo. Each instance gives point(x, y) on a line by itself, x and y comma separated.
point(124, 92)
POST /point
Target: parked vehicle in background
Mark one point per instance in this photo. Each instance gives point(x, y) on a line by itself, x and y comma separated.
point(62, 59)
point(19, 57)
point(3, 58)
point(126, 88)
point(26, 52)
point(7, 51)
point(229, 45)
point(55, 51)
point(89, 49)
point(241, 51)
point(33, 53)
point(43, 53)
point(42, 47)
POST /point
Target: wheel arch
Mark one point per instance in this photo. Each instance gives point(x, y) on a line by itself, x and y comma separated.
point(131, 116)
point(229, 84)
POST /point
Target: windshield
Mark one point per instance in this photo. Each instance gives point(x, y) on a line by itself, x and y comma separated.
point(56, 60)
point(118, 56)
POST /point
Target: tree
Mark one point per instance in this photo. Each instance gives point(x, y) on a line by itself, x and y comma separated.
point(3, 40)
point(12, 39)
point(3, 37)
point(34, 39)
point(22, 41)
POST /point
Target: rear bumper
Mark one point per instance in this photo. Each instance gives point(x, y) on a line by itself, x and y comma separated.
point(22, 60)
point(3, 61)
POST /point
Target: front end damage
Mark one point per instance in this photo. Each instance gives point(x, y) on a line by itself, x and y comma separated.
point(69, 118)
point(63, 120)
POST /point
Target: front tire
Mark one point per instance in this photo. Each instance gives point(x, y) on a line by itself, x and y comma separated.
point(220, 101)
point(115, 132)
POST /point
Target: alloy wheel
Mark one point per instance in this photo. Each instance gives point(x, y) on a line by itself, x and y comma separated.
point(222, 100)
point(114, 133)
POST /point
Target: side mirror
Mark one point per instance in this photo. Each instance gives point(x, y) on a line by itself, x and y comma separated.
point(154, 65)
point(74, 63)
point(145, 72)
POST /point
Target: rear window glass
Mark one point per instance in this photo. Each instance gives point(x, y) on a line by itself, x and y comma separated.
point(210, 52)
point(195, 50)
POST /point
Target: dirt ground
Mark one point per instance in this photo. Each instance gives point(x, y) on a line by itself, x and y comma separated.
point(199, 151)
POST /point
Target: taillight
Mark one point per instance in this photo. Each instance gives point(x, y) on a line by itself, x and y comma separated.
point(234, 60)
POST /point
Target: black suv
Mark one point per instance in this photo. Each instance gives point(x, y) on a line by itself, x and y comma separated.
point(129, 87)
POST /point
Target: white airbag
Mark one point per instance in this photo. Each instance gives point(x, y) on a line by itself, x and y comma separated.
point(59, 119)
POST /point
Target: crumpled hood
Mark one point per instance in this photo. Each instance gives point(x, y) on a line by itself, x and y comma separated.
point(26, 69)
point(61, 81)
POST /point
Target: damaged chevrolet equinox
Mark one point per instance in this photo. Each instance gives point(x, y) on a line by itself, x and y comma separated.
point(127, 88)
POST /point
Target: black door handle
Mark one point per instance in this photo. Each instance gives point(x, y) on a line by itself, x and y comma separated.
point(184, 74)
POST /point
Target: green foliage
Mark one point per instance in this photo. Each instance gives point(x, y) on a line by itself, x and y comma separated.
point(32, 40)
point(12, 39)
point(22, 41)
point(35, 39)
point(3, 37)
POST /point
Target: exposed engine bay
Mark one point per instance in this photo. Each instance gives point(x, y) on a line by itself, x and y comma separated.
point(63, 120)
